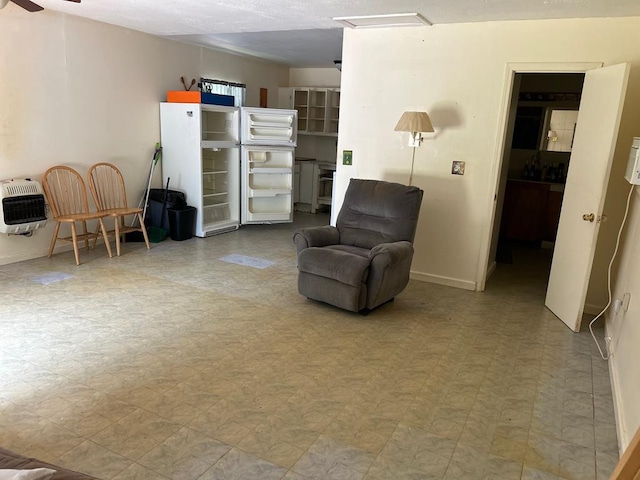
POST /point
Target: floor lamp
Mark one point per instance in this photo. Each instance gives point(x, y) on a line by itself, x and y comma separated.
point(417, 123)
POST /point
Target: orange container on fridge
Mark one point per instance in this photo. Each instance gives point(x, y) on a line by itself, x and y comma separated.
point(176, 96)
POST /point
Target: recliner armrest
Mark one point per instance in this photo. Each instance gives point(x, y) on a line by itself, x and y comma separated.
point(316, 237)
point(391, 253)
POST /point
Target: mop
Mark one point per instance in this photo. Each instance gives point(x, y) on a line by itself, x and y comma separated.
point(155, 235)
point(144, 201)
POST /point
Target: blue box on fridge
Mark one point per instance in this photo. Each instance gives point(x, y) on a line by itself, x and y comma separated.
point(217, 99)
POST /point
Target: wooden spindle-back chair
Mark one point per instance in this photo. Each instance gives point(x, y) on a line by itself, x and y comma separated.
point(628, 467)
point(67, 197)
point(109, 194)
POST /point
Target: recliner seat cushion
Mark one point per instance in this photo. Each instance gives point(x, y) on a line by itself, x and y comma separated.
point(345, 267)
point(362, 252)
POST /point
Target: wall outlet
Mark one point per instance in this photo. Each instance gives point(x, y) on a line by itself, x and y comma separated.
point(457, 168)
point(626, 299)
point(617, 303)
point(347, 157)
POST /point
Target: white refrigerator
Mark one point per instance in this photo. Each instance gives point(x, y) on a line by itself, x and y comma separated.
point(234, 165)
point(268, 138)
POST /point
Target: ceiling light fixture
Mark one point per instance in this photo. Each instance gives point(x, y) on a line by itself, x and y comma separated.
point(391, 20)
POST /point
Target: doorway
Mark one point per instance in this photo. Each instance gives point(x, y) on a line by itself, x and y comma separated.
point(540, 126)
point(592, 154)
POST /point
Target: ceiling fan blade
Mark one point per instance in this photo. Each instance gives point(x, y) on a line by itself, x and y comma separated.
point(28, 5)
point(74, 1)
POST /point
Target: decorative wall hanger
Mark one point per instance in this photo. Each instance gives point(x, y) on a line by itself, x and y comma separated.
point(193, 82)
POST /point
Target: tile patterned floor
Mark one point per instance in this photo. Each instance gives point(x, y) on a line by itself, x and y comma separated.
point(171, 363)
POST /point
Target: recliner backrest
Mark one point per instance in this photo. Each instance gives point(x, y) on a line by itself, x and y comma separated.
point(375, 212)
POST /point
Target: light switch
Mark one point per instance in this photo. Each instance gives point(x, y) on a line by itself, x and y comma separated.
point(347, 157)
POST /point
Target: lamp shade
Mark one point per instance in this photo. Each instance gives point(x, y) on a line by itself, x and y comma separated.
point(414, 122)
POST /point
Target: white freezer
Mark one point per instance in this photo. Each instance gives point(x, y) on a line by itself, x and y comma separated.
point(268, 126)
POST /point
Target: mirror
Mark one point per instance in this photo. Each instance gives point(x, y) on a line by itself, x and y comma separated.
point(560, 127)
point(527, 128)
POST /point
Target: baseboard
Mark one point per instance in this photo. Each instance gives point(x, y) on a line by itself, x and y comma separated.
point(446, 281)
point(623, 437)
point(591, 309)
point(22, 257)
point(60, 248)
point(302, 207)
point(491, 269)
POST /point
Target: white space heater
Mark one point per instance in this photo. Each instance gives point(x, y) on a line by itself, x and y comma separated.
point(22, 206)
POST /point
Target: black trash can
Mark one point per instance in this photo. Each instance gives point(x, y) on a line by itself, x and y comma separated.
point(175, 199)
point(181, 222)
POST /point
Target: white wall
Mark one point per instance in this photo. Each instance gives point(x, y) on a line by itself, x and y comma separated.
point(76, 92)
point(457, 72)
point(314, 77)
point(624, 328)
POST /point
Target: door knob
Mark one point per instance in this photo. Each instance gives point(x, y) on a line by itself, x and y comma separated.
point(588, 217)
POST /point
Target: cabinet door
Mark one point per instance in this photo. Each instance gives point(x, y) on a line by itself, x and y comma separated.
point(285, 97)
point(554, 205)
point(296, 183)
point(306, 182)
point(525, 211)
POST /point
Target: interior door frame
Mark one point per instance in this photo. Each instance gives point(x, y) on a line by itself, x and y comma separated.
point(498, 163)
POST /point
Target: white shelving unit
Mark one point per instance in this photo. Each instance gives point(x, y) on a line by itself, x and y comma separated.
point(299, 101)
point(322, 185)
point(318, 124)
point(201, 157)
point(333, 111)
point(317, 111)
point(318, 108)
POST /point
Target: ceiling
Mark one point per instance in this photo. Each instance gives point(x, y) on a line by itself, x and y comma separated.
point(301, 33)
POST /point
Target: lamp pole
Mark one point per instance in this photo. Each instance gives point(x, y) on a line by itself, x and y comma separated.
point(413, 157)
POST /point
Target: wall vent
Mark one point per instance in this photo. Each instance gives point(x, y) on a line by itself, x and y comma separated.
point(22, 206)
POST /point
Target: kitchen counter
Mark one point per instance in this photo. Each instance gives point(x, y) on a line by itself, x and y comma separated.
point(555, 186)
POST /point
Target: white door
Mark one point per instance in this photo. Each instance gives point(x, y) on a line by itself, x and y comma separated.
point(593, 147)
point(269, 126)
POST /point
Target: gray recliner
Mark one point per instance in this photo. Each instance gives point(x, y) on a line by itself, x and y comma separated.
point(365, 260)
